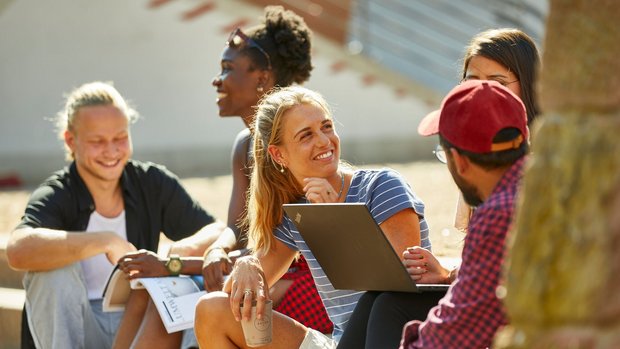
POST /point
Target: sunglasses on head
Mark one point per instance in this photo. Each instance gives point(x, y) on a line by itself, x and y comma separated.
point(237, 33)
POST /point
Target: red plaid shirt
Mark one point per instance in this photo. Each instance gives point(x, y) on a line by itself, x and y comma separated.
point(470, 313)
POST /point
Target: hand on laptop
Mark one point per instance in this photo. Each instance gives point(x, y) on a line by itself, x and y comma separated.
point(423, 267)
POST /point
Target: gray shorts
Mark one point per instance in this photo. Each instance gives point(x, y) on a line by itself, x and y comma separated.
point(60, 314)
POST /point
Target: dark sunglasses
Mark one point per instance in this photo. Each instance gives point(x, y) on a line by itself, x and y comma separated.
point(237, 33)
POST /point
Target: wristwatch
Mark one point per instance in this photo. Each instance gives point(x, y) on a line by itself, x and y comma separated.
point(174, 265)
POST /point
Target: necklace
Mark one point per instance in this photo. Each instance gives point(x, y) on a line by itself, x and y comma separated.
point(341, 185)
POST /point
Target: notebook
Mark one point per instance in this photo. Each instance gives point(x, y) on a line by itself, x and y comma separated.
point(352, 249)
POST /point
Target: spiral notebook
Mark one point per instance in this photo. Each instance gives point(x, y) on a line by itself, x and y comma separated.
point(352, 249)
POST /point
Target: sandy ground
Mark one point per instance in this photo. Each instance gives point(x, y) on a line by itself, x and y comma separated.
point(430, 180)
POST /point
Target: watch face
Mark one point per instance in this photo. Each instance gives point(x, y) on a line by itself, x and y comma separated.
point(175, 265)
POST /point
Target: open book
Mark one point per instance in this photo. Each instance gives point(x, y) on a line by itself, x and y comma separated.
point(174, 296)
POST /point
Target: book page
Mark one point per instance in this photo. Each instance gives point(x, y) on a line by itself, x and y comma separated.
point(175, 298)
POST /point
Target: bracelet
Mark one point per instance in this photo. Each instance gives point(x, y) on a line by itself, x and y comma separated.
point(214, 248)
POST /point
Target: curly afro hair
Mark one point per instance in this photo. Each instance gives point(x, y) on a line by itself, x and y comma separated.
point(286, 38)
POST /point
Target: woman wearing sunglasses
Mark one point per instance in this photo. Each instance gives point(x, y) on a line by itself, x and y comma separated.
point(274, 53)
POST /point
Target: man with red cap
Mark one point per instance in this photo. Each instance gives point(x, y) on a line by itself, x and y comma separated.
point(483, 138)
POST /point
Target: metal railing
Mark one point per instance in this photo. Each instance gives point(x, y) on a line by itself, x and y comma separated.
point(425, 39)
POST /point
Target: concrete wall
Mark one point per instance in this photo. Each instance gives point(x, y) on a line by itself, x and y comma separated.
point(162, 55)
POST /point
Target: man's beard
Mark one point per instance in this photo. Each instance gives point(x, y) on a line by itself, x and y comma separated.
point(470, 193)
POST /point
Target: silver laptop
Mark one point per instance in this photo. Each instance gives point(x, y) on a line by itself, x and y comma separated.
point(352, 249)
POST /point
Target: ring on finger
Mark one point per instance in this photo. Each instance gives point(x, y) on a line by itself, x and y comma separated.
point(248, 291)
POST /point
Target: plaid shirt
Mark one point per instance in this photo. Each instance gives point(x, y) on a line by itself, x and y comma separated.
point(470, 313)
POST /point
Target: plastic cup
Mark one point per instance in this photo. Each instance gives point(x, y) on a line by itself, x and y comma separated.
point(258, 332)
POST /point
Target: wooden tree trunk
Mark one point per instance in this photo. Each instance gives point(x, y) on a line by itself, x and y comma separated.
point(563, 271)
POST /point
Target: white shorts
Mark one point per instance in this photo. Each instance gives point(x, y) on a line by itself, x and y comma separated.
point(317, 340)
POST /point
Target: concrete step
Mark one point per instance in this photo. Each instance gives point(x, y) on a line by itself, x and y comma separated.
point(11, 305)
point(12, 298)
point(8, 277)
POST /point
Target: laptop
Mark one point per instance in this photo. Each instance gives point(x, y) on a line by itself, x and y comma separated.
point(352, 249)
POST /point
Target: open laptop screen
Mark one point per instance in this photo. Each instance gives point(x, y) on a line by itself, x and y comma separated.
point(351, 248)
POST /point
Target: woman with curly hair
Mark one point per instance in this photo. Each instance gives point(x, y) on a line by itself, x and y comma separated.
point(275, 53)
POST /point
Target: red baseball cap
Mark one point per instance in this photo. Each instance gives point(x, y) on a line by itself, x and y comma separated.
point(473, 113)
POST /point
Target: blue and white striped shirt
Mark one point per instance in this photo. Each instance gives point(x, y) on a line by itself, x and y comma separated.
point(385, 192)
